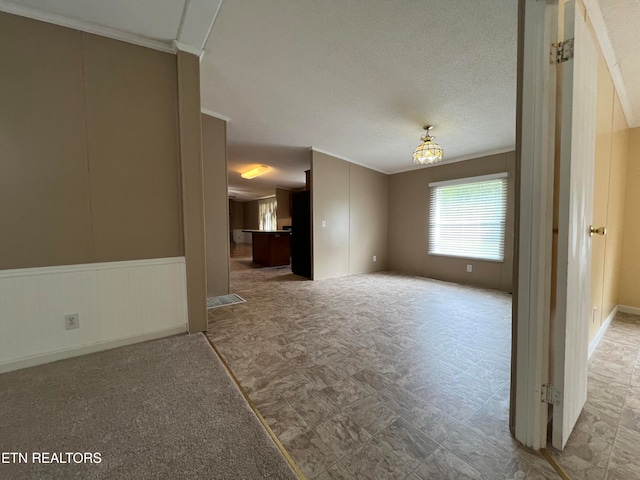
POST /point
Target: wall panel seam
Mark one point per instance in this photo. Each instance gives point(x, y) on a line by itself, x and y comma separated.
point(87, 150)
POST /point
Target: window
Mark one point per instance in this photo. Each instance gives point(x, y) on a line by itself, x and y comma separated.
point(267, 219)
point(467, 217)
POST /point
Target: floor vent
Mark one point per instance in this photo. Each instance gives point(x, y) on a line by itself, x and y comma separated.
point(224, 300)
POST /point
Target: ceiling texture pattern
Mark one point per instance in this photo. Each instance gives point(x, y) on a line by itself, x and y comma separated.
point(354, 78)
point(359, 79)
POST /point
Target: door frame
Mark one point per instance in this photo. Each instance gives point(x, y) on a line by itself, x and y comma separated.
point(535, 146)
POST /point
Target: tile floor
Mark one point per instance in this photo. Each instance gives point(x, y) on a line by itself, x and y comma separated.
point(388, 376)
point(606, 440)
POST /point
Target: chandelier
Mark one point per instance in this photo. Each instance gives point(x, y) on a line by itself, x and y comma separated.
point(428, 151)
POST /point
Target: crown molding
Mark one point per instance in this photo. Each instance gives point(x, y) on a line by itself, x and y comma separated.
point(314, 149)
point(197, 21)
point(183, 47)
point(454, 160)
point(213, 20)
point(217, 115)
point(602, 35)
point(86, 27)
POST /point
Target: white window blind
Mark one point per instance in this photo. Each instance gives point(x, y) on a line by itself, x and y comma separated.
point(467, 217)
point(267, 219)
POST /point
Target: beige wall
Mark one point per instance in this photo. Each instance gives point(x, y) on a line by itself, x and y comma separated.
point(190, 128)
point(611, 158)
point(352, 201)
point(330, 204)
point(601, 188)
point(214, 159)
point(100, 153)
point(236, 213)
point(250, 213)
point(283, 213)
point(630, 267)
point(89, 151)
point(368, 219)
point(409, 225)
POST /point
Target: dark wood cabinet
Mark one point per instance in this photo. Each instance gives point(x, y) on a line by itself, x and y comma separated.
point(270, 248)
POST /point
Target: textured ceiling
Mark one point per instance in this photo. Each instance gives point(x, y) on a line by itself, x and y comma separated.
point(354, 78)
point(359, 79)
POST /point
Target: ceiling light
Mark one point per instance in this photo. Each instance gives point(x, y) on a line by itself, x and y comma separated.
point(428, 151)
point(255, 172)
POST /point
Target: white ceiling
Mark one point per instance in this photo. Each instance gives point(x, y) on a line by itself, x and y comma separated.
point(354, 78)
point(359, 80)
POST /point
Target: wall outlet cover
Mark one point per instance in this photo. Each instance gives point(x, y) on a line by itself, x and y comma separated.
point(72, 321)
point(469, 268)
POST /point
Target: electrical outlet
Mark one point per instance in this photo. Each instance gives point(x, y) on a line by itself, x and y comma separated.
point(324, 223)
point(375, 259)
point(72, 321)
point(469, 268)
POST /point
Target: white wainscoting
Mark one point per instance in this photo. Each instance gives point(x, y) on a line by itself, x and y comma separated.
point(118, 302)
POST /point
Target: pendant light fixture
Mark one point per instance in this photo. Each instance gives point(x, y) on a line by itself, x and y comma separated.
point(428, 151)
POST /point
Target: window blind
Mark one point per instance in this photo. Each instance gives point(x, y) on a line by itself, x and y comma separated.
point(467, 217)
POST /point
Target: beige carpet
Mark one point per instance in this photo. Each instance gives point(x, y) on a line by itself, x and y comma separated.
point(161, 409)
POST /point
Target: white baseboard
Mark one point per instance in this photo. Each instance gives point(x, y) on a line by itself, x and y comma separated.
point(627, 309)
point(34, 360)
point(593, 344)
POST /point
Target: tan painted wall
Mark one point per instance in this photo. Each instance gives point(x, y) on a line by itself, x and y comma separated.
point(630, 268)
point(190, 128)
point(409, 225)
point(250, 213)
point(89, 148)
point(352, 200)
point(330, 203)
point(616, 210)
point(132, 149)
point(604, 115)
point(214, 159)
point(611, 155)
point(236, 211)
point(283, 213)
point(368, 219)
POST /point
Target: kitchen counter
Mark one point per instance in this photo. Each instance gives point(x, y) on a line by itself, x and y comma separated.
point(271, 248)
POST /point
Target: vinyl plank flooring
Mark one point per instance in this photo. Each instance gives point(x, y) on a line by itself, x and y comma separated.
point(414, 370)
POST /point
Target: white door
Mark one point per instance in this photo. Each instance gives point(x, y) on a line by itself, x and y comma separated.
point(538, 28)
point(571, 315)
point(551, 334)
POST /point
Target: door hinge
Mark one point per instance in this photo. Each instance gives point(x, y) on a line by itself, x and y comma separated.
point(562, 51)
point(550, 395)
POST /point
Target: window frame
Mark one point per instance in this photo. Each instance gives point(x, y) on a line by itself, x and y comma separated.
point(503, 176)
